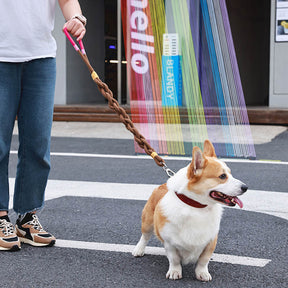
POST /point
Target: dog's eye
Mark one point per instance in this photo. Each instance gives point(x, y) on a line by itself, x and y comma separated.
point(223, 176)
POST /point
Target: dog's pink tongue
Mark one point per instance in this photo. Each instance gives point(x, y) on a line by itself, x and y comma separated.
point(239, 202)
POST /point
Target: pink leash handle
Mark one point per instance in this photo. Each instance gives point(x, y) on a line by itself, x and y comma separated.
point(73, 42)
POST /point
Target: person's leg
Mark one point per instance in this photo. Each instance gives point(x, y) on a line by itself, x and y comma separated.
point(10, 74)
point(10, 79)
point(35, 117)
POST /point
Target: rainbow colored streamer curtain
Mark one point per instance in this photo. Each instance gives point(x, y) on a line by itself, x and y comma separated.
point(183, 78)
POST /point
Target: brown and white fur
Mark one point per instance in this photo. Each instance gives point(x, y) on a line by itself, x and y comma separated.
point(189, 234)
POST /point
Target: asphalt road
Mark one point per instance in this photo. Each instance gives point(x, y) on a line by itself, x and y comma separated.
point(85, 215)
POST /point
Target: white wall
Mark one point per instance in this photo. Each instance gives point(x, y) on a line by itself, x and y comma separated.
point(278, 96)
point(60, 92)
point(73, 83)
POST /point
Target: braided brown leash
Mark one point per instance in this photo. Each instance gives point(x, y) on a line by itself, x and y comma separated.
point(124, 117)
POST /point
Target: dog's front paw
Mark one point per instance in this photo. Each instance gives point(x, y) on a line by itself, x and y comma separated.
point(174, 273)
point(203, 275)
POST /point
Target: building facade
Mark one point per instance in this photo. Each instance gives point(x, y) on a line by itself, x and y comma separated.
point(260, 47)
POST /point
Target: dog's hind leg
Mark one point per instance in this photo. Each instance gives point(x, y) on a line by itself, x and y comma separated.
point(147, 231)
point(201, 269)
point(147, 228)
point(139, 249)
point(148, 220)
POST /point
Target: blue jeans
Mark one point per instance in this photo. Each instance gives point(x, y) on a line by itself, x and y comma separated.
point(26, 91)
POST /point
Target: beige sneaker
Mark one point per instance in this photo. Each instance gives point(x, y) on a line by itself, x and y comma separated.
point(8, 238)
point(30, 231)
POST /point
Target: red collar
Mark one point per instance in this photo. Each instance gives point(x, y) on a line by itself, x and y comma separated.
point(190, 201)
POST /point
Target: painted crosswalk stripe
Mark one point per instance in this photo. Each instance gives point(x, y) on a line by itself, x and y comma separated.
point(124, 248)
point(272, 202)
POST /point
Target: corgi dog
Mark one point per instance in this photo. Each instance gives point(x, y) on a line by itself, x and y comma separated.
point(185, 213)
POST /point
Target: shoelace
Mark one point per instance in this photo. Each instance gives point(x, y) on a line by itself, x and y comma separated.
point(6, 227)
point(36, 224)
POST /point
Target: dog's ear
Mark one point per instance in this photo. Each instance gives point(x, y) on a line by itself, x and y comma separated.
point(197, 164)
point(209, 150)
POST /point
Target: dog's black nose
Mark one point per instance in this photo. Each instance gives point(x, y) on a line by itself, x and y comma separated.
point(244, 188)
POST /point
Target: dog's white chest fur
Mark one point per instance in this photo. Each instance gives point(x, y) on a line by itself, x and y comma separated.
point(187, 228)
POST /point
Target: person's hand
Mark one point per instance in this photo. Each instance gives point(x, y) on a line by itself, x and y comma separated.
point(76, 28)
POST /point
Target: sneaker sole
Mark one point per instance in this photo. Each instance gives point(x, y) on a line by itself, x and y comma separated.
point(35, 244)
point(12, 249)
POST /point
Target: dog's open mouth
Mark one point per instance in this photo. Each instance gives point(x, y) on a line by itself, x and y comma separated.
point(225, 199)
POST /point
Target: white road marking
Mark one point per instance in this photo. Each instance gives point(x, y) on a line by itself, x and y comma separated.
point(272, 203)
point(267, 202)
point(166, 158)
point(124, 248)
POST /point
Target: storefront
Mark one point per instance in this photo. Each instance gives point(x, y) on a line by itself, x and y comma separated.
point(254, 31)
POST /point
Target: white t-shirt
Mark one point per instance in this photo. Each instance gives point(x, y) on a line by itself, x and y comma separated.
point(26, 30)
